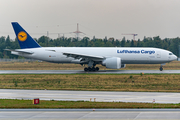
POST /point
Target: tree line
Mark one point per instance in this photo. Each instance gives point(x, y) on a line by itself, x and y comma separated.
point(171, 44)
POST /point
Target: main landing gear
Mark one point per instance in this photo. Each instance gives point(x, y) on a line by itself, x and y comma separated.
point(91, 69)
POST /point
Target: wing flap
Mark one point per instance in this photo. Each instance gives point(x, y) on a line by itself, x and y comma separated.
point(83, 56)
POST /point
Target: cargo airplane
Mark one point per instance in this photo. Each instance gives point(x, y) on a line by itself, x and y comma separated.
point(110, 57)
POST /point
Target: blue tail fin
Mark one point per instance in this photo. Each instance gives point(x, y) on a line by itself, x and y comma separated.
point(24, 39)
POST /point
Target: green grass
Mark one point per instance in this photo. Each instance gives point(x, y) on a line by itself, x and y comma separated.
point(8, 103)
point(95, 82)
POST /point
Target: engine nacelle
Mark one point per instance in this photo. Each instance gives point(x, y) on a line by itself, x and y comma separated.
point(112, 63)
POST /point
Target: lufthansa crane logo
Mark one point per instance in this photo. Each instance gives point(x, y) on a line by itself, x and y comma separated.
point(22, 36)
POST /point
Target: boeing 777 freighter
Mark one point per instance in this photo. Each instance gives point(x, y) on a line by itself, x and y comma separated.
point(110, 57)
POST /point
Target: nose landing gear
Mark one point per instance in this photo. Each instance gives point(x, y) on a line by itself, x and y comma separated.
point(161, 68)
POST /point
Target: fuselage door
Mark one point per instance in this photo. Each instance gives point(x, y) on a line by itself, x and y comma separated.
point(158, 54)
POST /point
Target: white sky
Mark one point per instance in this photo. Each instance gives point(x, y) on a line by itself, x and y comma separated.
point(98, 18)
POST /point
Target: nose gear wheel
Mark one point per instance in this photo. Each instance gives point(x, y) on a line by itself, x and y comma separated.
point(161, 68)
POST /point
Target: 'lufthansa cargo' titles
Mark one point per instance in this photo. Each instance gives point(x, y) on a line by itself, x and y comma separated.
point(136, 51)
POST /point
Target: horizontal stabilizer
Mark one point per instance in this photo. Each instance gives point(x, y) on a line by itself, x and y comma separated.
point(25, 52)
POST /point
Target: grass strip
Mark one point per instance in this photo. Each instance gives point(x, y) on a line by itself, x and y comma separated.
point(93, 82)
point(19, 104)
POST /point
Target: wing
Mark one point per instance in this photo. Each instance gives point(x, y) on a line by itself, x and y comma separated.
point(19, 51)
point(84, 57)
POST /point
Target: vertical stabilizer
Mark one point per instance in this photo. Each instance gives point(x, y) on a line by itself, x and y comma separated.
point(24, 39)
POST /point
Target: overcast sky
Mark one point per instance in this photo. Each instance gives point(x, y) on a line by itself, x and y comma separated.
point(97, 18)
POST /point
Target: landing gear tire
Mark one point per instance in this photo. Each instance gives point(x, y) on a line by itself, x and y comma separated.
point(97, 69)
point(85, 69)
point(91, 69)
point(161, 68)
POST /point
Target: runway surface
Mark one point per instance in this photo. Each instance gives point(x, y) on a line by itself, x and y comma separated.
point(101, 96)
point(82, 72)
point(99, 114)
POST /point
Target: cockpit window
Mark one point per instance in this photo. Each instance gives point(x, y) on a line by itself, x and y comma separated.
point(170, 54)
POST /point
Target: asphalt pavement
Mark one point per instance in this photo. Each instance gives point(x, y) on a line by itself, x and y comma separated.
point(90, 114)
point(100, 96)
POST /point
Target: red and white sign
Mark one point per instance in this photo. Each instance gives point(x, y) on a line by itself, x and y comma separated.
point(36, 101)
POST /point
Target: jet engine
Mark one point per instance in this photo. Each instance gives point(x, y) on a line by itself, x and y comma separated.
point(112, 63)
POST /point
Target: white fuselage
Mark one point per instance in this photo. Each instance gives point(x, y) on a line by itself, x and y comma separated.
point(128, 55)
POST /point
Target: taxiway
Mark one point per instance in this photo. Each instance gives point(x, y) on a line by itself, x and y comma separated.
point(100, 96)
point(98, 114)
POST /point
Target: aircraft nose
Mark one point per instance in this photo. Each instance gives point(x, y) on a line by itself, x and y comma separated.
point(175, 57)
